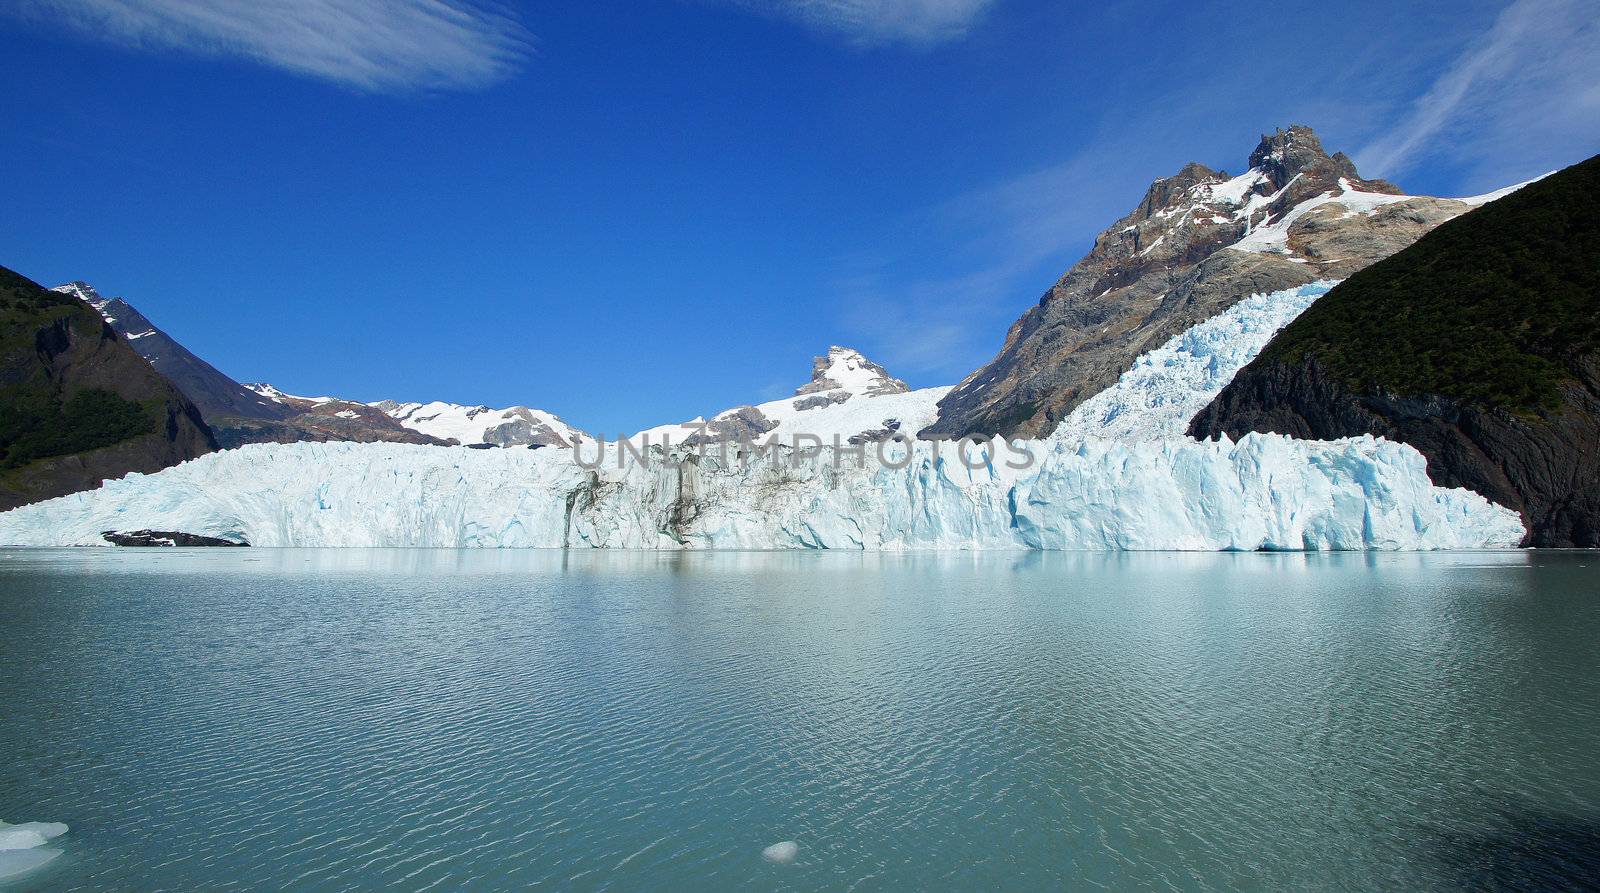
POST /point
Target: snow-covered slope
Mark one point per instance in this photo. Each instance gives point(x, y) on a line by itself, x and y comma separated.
point(1272, 234)
point(849, 397)
point(512, 426)
point(295, 401)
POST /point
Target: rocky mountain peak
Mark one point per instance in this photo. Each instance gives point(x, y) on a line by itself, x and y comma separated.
point(1170, 192)
point(845, 368)
point(1284, 155)
point(83, 291)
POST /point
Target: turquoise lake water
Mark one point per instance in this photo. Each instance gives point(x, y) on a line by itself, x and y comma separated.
point(397, 720)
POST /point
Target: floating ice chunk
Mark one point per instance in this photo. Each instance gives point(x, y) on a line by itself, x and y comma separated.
point(43, 830)
point(781, 853)
point(19, 839)
point(22, 847)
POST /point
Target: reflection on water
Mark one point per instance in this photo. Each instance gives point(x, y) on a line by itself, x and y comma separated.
point(327, 719)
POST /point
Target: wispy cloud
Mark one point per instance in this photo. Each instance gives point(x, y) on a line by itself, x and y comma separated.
point(377, 45)
point(1003, 245)
point(1529, 84)
point(873, 22)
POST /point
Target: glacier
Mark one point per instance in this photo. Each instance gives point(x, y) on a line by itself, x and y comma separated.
point(1262, 492)
point(1169, 385)
point(1116, 475)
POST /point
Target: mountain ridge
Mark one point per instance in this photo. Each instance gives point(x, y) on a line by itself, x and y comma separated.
point(213, 392)
point(1296, 216)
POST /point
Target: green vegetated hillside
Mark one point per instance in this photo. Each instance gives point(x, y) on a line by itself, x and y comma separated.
point(77, 404)
point(1494, 306)
point(1479, 345)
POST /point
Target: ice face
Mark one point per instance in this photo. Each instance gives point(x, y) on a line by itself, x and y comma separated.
point(1263, 492)
point(1118, 474)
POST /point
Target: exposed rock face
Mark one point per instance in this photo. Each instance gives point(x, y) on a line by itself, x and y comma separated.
point(524, 428)
point(1197, 243)
point(56, 353)
point(1479, 346)
point(742, 423)
point(817, 401)
point(317, 419)
point(217, 395)
point(891, 427)
point(167, 538)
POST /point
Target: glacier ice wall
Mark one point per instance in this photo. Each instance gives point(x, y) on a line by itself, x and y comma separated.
point(1263, 492)
point(1118, 474)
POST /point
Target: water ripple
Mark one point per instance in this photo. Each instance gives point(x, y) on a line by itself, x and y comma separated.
point(435, 720)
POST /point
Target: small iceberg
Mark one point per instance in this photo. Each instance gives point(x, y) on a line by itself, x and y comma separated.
point(22, 847)
point(781, 853)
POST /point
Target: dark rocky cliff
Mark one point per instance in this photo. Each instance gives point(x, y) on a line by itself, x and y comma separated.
point(1479, 346)
point(77, 404)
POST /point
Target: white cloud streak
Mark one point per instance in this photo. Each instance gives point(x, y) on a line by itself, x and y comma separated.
point(374, 45)
point(875, 22)
point(1005, 243)
point(1530, 86)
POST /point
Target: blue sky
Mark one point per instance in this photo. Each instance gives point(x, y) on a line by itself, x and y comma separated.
point(636, 211)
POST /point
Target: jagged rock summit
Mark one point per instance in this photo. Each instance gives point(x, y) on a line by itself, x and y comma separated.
point(1198, 242)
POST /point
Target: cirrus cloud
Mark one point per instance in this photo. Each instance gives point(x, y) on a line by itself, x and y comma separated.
point(874, 22)
point(1528, 88)
point(374, 45)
